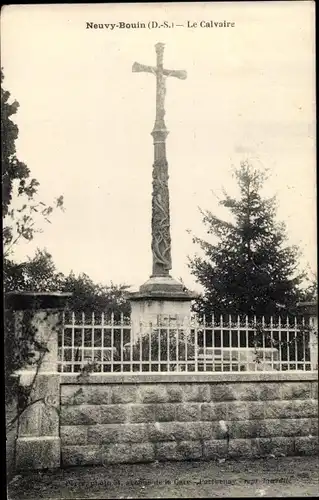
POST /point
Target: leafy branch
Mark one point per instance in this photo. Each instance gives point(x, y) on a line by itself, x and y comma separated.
point(17, 184)
point(23, 349)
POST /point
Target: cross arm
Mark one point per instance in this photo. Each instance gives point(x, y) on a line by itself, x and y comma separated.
point(181, 74)
point(137, 68)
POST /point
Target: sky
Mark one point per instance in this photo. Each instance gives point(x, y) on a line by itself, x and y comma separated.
point(85, 120)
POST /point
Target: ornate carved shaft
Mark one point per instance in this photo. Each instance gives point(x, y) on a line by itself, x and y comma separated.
point(161, 238)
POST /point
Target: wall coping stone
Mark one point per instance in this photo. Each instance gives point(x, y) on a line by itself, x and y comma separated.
point(148, 378)
point(308, 308)
point(20, 301)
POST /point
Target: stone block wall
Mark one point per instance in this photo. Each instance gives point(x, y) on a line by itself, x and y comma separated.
point(144, 418)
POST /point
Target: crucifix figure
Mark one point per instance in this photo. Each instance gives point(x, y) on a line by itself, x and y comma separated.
point(161, 239)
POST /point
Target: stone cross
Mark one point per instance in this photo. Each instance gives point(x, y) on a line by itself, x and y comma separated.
point(161, 239)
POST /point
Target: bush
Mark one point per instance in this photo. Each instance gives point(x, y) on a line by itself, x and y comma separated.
point(162, 350)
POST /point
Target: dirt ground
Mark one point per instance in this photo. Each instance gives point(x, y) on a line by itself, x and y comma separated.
point(270, 477)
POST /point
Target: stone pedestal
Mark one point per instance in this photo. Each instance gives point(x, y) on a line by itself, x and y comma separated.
point(38, 441)
point(310, 312)
point(160, 300)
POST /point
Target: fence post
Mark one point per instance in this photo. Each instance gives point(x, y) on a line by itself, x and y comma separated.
point(310, 311)
point(38, 441)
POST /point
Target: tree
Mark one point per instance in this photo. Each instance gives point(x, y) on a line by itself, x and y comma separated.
point(36, 274)
point(89, 297)
point(39, 274)
point(20, 221)
point(310, 293)
point(249, 269)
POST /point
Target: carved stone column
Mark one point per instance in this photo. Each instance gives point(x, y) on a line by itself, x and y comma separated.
point(161, 238)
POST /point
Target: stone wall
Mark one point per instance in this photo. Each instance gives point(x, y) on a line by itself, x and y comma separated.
point(144, 418)
point(11, 436)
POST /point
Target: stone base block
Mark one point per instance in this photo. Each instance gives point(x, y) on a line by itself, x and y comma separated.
point(306, 445)
point(128, 453)
point(182, 450)
point(38, 453)
point(240, 448)
point(159, 299)
point(151, 311)
point(81, 455)
point(278, 446)
point(215, 448)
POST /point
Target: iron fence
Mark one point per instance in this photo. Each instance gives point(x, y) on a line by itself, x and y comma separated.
point(105, 344)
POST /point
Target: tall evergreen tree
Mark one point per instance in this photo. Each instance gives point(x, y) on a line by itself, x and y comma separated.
point(250, 269)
